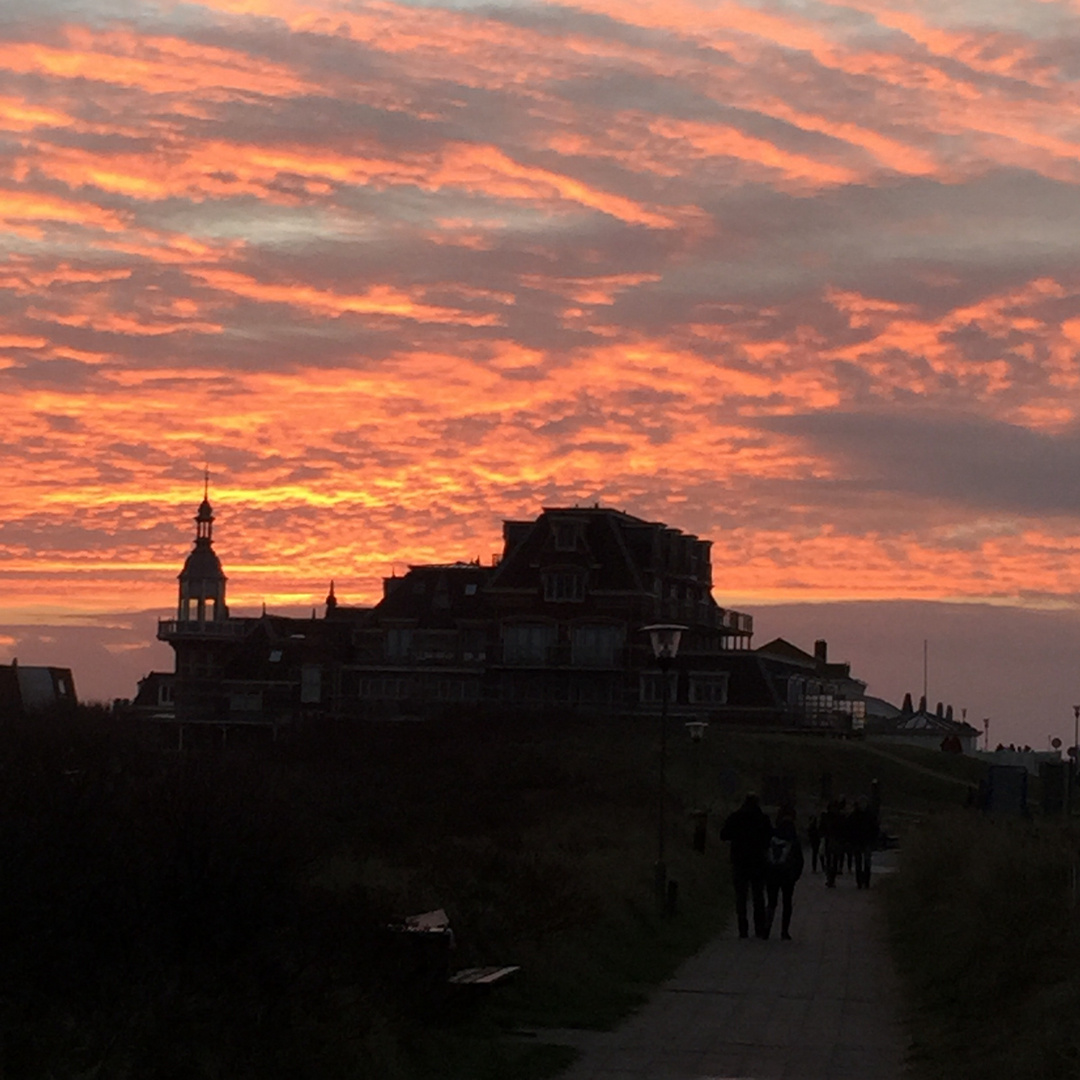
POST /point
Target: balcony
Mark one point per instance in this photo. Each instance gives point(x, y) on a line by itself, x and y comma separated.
point(737, 621)
point(226, 630)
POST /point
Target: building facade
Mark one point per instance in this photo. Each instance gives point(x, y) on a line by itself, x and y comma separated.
point(554, 624)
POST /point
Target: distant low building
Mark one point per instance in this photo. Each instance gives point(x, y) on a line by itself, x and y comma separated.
point(817, 693)
point(1030, 759)
point(907, 726)
point(27, 690)
point(156, 697)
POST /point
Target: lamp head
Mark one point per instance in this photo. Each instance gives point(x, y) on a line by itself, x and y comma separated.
point(665, 638)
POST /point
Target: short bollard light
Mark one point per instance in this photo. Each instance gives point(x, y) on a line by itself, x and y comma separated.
point(700, 817)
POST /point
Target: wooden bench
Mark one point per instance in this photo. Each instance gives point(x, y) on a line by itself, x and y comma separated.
point(482, 976)
point(421, 960)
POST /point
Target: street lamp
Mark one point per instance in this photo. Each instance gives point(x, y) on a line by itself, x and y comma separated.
point(665, 638)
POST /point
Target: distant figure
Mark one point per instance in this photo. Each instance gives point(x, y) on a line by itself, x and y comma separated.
point(748, 831)
point(783, 867)
point(863, 830)
point(832, 832)
point(847, 838)
point(813, 834)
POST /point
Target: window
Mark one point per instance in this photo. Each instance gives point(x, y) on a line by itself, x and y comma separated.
point(310, 685)
point(652, 688)
point(473, 645)
point(398, 643)
point(596, 646)
point(470, 589)
point(528, 643)
point(566, 535)
point(709, 689)
point(275, 656)
point(385, 689)
point(450, 689)
point(564, 586)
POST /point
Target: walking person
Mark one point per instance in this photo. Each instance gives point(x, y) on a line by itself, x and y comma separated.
point(748, 831)
point(863, 830)
point(783, 867)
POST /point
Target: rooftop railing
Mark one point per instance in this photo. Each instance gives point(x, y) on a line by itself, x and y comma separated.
point(228, 628)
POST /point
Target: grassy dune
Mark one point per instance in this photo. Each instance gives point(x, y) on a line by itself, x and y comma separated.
point(984, 918)
point(220, 913)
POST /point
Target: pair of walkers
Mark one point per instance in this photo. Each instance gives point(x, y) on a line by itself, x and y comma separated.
point(849, 836)
point(766, 861)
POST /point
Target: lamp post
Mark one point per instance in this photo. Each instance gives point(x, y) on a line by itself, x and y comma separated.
point(665, 638)
point(1076, 754)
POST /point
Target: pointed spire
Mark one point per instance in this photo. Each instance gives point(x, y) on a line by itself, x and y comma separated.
point(204, 519)
point(331, 599)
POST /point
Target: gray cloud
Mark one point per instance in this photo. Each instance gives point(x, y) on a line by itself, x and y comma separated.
point(977, 463)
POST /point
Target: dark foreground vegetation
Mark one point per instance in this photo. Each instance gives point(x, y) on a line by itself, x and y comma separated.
point(985, 918)
point(221, 913)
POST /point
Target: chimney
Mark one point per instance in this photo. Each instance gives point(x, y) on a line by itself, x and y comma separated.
point(948, 712)
point(907, 707)
point(821, 651)
point(940, 711)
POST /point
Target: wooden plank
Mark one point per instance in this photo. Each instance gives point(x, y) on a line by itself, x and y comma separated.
point(482, 976)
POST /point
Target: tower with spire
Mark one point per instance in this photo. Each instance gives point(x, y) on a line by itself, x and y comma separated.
point(202, 581)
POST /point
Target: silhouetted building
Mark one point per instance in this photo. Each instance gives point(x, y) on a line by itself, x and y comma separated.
point(935, 730)
point(26, 690)
point(553, 625)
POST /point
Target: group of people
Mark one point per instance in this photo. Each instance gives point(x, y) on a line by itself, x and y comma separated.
point(767, 858)
point(848, 837)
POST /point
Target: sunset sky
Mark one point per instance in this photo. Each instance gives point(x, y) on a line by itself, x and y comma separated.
point(799, 277)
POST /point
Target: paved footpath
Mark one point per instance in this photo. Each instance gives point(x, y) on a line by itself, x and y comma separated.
point(820, 1007)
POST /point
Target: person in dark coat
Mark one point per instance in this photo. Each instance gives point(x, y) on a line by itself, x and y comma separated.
point(783, 867)
point(748, 831)
point(863, 830)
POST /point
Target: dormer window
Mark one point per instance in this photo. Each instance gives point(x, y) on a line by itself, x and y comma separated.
point(566, 535)
point(564, 586)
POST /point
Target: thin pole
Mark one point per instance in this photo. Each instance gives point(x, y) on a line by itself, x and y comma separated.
point(925, 672)
point(664, 663)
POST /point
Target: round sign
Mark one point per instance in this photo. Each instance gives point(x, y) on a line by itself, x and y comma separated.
point(1055, 743)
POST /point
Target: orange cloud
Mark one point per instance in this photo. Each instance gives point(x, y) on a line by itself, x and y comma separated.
point(159, 65)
